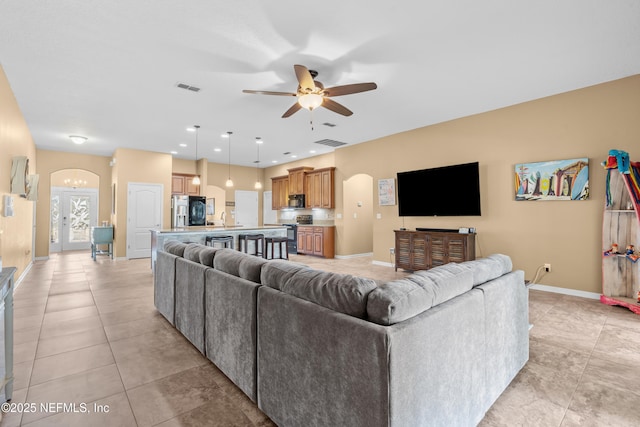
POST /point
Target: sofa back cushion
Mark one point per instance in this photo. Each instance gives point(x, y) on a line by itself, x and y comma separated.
point(206, 256)
point(275, 273)
point(239, 264)
point(343, 293)
point(489, 268)
point(402, 299)
point(174, 247)
point(192, 251)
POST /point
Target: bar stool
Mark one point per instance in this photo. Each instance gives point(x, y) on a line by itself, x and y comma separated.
point(226, 241)
point(271, 242)
point(243, 243)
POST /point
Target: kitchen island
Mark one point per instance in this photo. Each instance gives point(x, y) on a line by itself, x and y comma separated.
point(198, 235)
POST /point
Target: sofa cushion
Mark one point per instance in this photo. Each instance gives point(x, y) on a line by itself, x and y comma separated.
point(343, 293)
point(489, 268)
point(174, 247)
point(275, 273)
point(239, 264)
point(192, 251)
point(447, 281)
point(206, 256)
point(402, 299)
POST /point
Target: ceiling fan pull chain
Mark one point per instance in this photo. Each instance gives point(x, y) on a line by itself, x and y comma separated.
point(311, 121)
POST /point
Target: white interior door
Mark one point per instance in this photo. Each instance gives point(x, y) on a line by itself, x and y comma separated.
point(144, 213)
point(246, 208)
point(269, 216)
point(73, 213)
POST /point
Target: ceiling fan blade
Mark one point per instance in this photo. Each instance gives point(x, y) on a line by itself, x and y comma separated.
point(267, 92)
point(335, 107)
point(295, 107)
point(349, 89)
point(304, 77)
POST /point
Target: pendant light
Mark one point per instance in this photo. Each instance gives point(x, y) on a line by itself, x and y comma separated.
point(196, 179)
point(229, 183)
point(258, 183)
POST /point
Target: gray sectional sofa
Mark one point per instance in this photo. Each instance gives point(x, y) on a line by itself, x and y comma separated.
point(319, 348)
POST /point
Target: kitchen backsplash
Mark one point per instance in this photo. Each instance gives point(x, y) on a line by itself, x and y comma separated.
point(319, 216)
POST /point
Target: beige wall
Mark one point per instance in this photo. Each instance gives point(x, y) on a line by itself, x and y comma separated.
point(51, 162)
point(135, 166)
point(583, 123)
point(244, 178)
point(16, 232)
point(85, 178)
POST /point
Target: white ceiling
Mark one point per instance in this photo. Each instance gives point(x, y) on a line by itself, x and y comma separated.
point(108, 69)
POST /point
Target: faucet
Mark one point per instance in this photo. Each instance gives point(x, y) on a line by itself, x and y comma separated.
point(222, 217)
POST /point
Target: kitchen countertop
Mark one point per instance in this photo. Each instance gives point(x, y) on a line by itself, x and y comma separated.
point(210, 228)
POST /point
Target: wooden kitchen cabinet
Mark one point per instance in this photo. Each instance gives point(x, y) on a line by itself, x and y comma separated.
point(297, 179)
point(422, 250)
point(320, 188)
point(183, 184)
point(280, 192)
point(316, 240)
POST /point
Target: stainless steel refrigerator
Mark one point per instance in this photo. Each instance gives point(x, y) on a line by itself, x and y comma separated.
point(179, 211)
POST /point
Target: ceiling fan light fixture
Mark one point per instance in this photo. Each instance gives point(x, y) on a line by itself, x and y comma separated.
point(310, 101)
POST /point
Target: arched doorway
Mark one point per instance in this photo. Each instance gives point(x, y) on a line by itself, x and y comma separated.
point(74, 209)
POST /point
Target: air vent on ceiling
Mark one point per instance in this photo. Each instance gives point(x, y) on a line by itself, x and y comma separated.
point(188, 87)
point(330, 142)
point(287, 153)
point(331, 125)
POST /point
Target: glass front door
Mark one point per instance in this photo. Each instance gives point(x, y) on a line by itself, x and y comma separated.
point(73, 213)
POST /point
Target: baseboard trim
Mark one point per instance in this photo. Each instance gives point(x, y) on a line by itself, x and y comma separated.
point(18, 281)
point(354, 255)
point(41, 258)
point(566, 291)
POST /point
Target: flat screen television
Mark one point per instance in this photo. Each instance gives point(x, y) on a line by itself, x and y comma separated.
point(444, 191)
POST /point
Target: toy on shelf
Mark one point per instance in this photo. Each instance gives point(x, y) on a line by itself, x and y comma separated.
point(613, 250)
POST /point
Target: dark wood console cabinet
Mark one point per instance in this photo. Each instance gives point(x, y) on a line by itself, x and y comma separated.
point(422, 250)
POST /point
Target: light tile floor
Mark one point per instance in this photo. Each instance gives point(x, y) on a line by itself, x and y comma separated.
point(87, 333)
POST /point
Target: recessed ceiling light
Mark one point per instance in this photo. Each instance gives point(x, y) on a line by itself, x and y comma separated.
point(312, 151)
point(191, 129)
point(183, 145)
point(293, 156)
point(173, 152)
point(274, 161)
point(217, 150)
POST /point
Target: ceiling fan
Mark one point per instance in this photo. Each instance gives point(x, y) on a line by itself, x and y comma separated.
point(312, 94)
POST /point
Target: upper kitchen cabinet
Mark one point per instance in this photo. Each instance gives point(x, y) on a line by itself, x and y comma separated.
point(279, 192)
point(320, 190)
point(297, 179)
point(183, 184)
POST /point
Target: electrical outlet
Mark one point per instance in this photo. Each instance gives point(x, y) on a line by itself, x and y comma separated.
point(392, 251)
point(547, 268)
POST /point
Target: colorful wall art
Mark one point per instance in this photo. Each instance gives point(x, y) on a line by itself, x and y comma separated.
point(553, 180)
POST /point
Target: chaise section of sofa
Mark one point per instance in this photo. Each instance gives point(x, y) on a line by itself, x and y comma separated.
point(231, 290)
point(189, 292)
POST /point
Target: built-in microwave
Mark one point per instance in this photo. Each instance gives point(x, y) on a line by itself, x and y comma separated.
point(296, 201)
